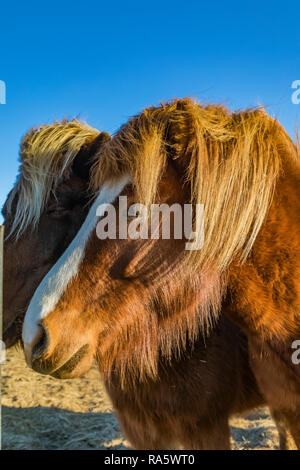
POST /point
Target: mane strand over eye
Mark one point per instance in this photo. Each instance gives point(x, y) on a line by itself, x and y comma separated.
point(46, 154)
point(229, 161)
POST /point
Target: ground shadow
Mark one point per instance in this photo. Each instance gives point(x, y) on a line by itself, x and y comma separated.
point(55, 428)
point(42, 427)
point(255, 431)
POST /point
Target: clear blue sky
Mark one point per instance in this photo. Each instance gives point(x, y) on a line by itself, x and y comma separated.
point(104, 61)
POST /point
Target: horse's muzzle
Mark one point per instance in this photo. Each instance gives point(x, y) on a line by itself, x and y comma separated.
point(78, 360)
point(66, 370)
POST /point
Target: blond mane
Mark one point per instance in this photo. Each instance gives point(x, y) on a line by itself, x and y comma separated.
point(46, 154)
point(230, 162)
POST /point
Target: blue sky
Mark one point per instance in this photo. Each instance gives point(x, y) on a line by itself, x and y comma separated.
point(104, 61)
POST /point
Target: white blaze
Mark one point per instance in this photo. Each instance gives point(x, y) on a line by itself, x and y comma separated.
point(56, 281)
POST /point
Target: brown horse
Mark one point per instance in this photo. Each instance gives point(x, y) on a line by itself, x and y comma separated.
point(171, 381)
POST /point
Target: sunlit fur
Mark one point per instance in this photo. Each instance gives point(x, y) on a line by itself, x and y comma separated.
point(179, 309)
point(230, 162)
point(47, 153)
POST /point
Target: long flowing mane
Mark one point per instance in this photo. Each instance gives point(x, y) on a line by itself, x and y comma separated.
point(231, 162)
point(46, 154)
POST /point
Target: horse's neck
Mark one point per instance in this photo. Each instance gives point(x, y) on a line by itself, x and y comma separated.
point(286, 205)
point(266, 289)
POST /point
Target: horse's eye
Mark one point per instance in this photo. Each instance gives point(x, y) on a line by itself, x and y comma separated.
point(57, 211)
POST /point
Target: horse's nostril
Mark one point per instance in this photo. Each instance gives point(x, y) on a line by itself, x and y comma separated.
point(41, 344)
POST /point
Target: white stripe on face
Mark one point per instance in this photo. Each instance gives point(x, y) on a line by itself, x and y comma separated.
point(56, 281)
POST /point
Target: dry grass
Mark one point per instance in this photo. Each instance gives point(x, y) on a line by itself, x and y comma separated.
point(43, 413)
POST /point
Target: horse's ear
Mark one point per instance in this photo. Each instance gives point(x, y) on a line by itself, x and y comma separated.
point(181, 131)
point(84, 159)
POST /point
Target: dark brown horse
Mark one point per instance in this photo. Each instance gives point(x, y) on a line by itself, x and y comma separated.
point(174, 375)
point(69, 147)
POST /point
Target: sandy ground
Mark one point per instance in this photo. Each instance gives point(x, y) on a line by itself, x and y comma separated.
point(39, 412)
